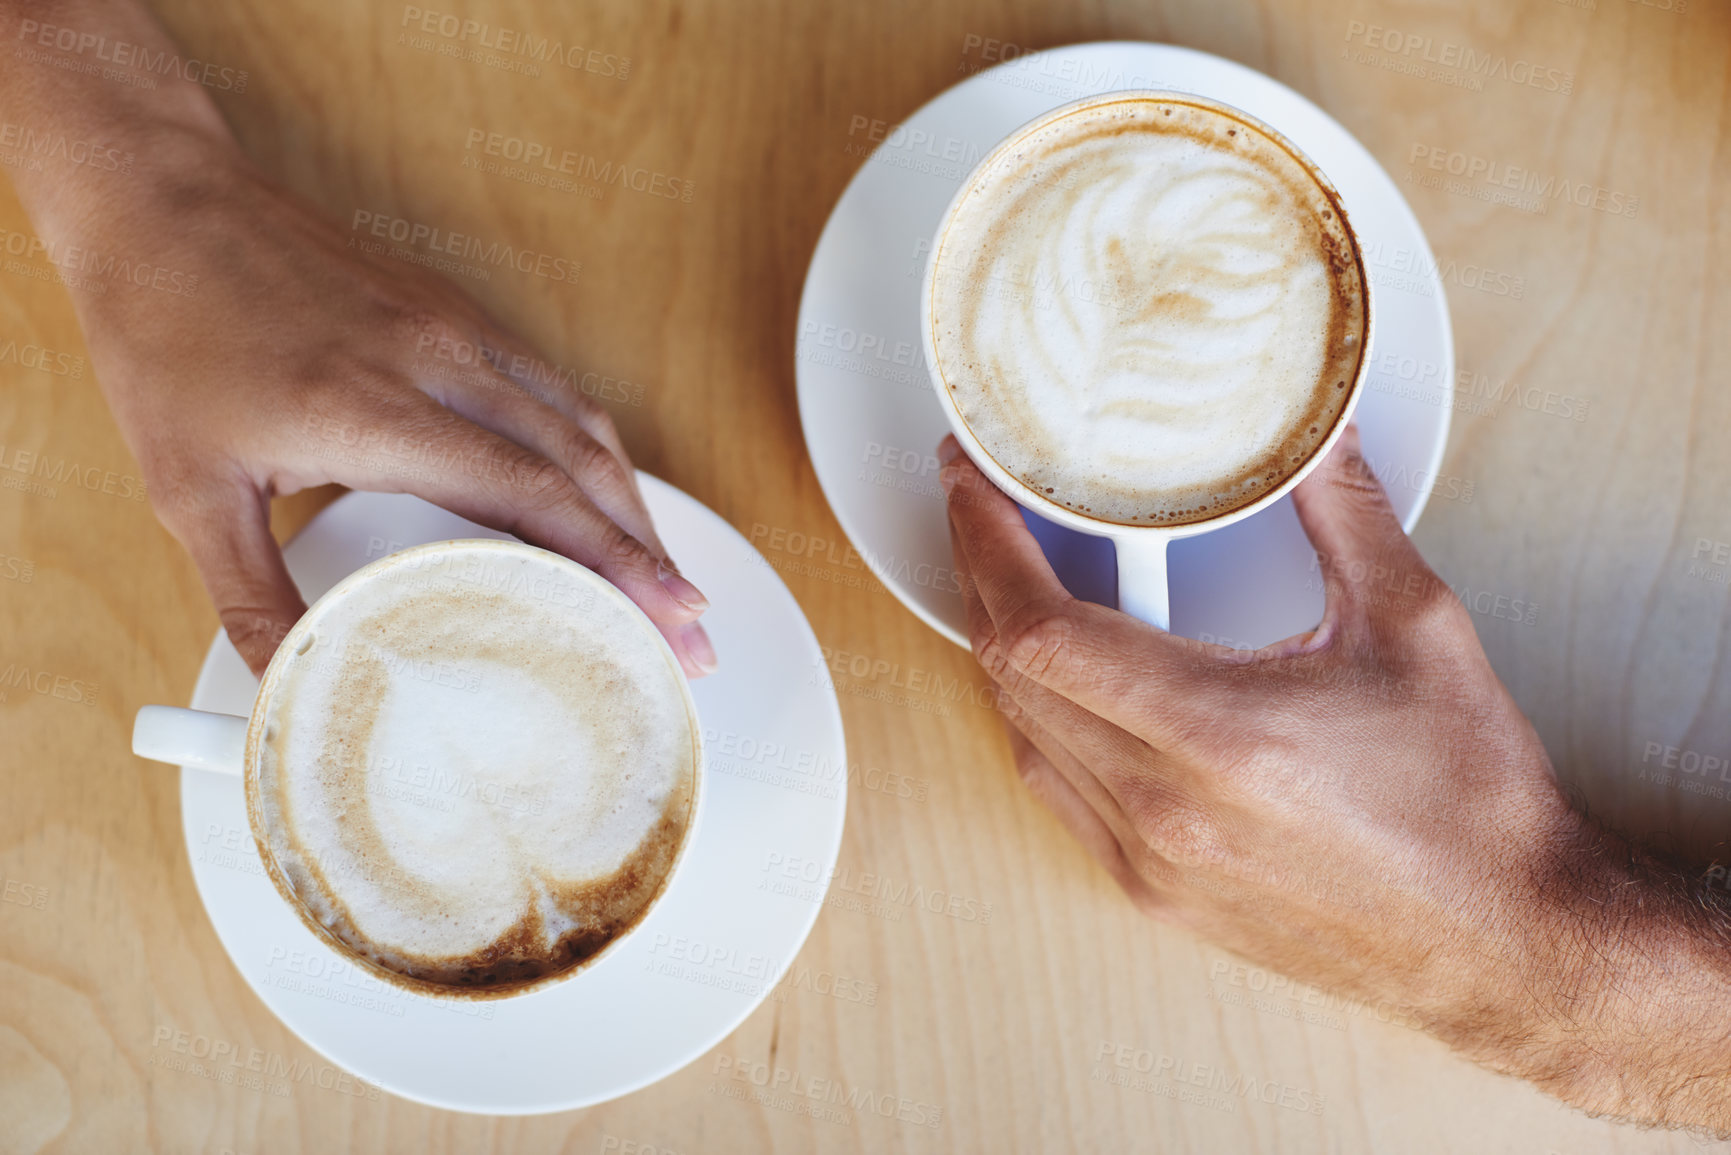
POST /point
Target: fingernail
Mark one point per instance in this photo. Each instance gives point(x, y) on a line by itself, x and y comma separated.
point(681, 590)
point(698, 647)
point(948, 448)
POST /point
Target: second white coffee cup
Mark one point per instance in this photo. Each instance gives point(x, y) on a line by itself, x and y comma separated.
point(1141, 550)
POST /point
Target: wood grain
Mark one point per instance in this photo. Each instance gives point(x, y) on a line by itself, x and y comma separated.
point(1597, 520)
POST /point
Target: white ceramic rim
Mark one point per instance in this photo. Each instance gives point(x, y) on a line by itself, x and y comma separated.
point(1036, 502)
point(285, 654)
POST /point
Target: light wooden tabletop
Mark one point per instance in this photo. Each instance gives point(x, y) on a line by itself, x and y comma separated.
point(1587, 478)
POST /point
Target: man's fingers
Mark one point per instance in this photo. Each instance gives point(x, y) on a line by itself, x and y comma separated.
point(1055, 791)
point(492, 480)
point(1052, 721)
point(1096, 781)
point(1107, 662)
point(226, 530)
point(1361, 549)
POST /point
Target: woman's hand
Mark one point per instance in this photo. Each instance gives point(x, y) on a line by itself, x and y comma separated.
point(299, 361)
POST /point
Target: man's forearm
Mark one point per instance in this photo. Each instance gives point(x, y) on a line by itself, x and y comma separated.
point(1637, 1009)
point(48, 95)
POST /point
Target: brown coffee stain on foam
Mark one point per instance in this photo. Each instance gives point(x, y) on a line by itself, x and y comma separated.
point(1141, 294)
point(601, 909)
point(604, 910)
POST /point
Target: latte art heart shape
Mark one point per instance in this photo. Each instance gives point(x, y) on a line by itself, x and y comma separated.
point(478, 770)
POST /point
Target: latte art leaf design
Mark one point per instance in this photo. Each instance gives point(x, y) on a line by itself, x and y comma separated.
point(1161, 318)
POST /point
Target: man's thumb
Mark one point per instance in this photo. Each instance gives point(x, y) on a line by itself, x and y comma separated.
point(1359, 541)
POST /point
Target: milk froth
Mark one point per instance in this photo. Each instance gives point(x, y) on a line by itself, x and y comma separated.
point(1148, 311)
point(479, 769)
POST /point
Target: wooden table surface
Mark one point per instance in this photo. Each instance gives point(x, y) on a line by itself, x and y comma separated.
point(1586, 478)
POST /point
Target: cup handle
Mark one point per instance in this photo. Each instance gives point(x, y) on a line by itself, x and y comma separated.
point(190, 738)
point(1142, 579)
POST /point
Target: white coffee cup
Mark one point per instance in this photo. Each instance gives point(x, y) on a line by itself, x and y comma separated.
point(1141, 550)
point(230, 744)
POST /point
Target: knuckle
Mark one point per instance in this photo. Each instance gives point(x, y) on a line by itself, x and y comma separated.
point(1179, 832)
point(543, 484)
point(420, 326)
point(1257, 770)
point(588, 411)
point(1430, 619)
point(621, 549)
point(1149, 864)
point(1036, 647)
point(1171, 824)
point(337, 390)
point(989, 652)
point(1354, 482)
point(1356, 473)
point(593, 463)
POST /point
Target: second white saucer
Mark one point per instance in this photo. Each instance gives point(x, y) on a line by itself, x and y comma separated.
point(872, 423)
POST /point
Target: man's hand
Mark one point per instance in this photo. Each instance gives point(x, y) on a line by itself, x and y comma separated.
point(1362, 806)
point(266, 353)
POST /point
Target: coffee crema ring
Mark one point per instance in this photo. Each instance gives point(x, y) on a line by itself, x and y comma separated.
point(477, 773)
point(1148, 311)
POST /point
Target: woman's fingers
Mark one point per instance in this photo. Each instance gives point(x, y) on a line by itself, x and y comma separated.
point(493, 480)
point(225, 527)
point(496, 402)
point(503, 386)
point(499, 360)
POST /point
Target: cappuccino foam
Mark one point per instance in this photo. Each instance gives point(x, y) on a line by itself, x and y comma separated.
point(1149, 311)
point(478, 768)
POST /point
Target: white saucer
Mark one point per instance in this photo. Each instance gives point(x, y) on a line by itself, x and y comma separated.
point(775, 792)
point(872, 424)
